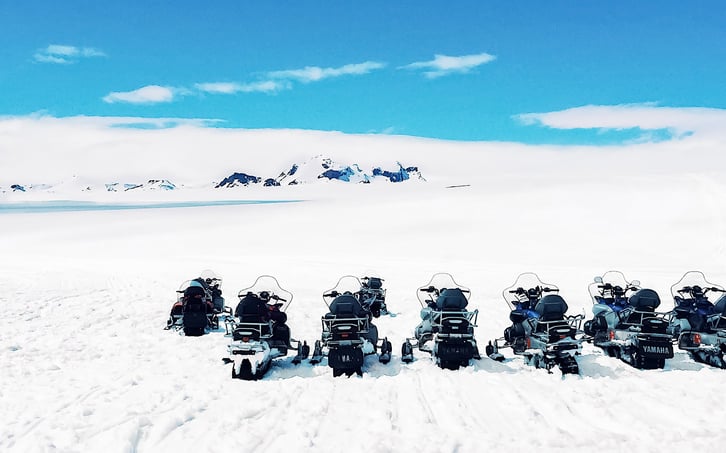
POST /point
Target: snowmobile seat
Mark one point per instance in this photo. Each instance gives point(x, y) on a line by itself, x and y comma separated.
point(194, 316)
point(451, 299)
point(551, 307)
point(644, 300)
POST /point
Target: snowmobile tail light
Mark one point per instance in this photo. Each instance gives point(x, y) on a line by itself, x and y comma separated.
point(697, 339)
point(245, 339)
point(611, 334)
point(529, 343)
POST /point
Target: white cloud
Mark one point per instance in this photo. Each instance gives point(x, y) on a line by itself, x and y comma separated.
point(150, 94)
point(315, 73)
point(62, 54)
point(681, 121)
point(266, 86)
point(443, 65)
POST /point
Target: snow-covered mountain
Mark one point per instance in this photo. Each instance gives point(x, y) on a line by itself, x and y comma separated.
point(320, 167)
point(307, 172)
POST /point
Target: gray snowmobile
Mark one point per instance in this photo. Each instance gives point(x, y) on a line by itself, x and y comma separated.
point(541, 331)
point(698, 324)
point(625, 323)
point(446, 331)
point(348, 334)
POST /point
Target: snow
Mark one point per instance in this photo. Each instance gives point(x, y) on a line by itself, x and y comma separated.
point(87, 366)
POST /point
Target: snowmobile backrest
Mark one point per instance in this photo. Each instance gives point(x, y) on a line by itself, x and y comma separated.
point(194, 292)
point(644, 300)
point(374, 283)
point(347, 306)
point(451, 299)
point(551, 307)
point(251, 309)
point(720, 306)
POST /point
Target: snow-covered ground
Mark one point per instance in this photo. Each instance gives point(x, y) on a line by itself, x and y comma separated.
point(87, 366)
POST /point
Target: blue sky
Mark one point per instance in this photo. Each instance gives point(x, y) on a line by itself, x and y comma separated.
point(461, 71)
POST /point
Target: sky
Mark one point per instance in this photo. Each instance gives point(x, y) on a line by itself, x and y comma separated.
point(479, 70)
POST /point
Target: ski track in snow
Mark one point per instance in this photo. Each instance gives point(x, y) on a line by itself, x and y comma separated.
point(88, 367)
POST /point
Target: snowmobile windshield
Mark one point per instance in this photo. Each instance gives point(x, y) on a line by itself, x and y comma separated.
point(267, 288)
point(612, 285)
point(693, 285)
point(428, 293)
point(211, 279)
point(526, 291)
point(348, 284)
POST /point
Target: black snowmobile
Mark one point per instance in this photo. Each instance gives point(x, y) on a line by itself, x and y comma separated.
point(259, 331)
point(348, 334)
point(447, 327)
point(373, 295)
point(698, 324)
point(540, 331)
point(193, 313)
point(625, 322)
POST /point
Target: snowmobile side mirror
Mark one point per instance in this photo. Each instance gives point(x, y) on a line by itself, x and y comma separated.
point(635, 283)
point(598, 279)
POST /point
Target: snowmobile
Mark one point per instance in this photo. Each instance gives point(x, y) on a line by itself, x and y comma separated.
point(540, 331)
point(698, 324)
point(258, 330)
point(373, 295)
point(193, 312)
point(447, 328)
point(348, 334)
point(625, 322)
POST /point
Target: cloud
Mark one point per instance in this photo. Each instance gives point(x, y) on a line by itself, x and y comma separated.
point(315, 73)
point(150, 94)
point(62, 54)
point(443, 65)
point(266, 86)
point(679, 121)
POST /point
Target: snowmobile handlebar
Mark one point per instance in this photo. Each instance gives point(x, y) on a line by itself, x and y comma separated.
point(537, 289)
point(688, 289)
point(433, 289)
point(336, 293)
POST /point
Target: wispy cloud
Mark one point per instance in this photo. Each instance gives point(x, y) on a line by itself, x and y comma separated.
point(150, 94)
point(680, 121)
point(266, 86)
point(62, 54)
point(443, 65)
point(315, 73)
point(276, 81)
